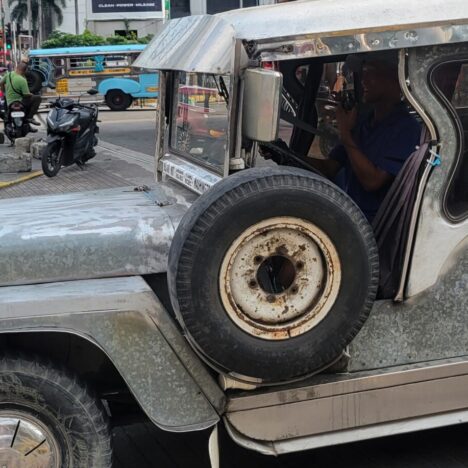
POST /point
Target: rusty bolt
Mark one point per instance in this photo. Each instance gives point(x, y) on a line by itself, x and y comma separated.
point(252, 283)
point(300, 265)
point(271, 298)
point(258, 259)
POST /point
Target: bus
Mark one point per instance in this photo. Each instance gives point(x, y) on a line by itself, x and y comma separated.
point(108, 67)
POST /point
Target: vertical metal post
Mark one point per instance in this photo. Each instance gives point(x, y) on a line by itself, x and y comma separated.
point(77, 22)
point(29, 20)
point(39, 23)
point(3, 49)
point(14, 44)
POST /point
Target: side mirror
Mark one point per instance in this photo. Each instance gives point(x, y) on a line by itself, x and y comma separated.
point(92, 91)
point(261, 106)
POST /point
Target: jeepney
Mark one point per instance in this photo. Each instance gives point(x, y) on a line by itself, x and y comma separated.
point(174, 300)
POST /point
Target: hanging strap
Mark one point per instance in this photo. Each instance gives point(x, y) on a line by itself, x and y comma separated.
point(14, 89)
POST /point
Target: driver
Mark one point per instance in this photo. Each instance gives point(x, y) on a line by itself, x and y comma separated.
point(15, 87)
point(373, 148)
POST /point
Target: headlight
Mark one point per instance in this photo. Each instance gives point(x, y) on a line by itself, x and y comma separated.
point(67, 123)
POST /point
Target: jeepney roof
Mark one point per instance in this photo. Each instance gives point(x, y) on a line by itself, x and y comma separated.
point(94, 50)
point(205, 44)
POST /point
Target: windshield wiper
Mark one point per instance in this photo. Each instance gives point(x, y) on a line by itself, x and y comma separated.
point(222, 88)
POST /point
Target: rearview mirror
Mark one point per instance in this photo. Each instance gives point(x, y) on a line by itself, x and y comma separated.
point(92, 91)
point(261, 106)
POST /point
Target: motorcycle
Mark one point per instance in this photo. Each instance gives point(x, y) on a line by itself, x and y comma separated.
point(71, 134)
point(14, 118)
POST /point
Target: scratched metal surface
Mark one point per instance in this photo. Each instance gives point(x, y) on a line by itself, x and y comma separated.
point(312, 28)
point(437, 236)
point(125, 319)
point(429, 326)
point(116, 232)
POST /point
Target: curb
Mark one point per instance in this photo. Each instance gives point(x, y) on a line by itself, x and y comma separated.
point(32, 175)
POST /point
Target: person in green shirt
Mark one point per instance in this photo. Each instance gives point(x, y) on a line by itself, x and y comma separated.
point(16, 88)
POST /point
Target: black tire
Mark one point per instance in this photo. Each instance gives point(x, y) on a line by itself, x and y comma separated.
point(52, 159)
point(210, 228)
point(118, 100)
point(34, 79)
point(33, 389)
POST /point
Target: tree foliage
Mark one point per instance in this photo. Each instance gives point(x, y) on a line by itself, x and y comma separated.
point(19, 12)
point(61, 39)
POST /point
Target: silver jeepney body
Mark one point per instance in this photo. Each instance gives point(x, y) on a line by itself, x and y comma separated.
point(409, 364)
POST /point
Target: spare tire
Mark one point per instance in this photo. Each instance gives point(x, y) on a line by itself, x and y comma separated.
point(34, 79)
point(271, 273)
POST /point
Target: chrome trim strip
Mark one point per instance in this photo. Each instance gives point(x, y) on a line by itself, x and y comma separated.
point(400, 294)
point(352, 435)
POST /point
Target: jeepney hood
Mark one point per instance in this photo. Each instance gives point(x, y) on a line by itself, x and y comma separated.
point(106, 233)
point(206, 44)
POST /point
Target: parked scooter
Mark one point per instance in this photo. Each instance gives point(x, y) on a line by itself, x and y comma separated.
point(71, 134)
point(14, 118)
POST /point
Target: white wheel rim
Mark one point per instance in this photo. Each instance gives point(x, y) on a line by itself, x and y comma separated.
point(26, 442)
point(296, 306)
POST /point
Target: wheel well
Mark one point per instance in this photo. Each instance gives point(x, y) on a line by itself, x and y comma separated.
point(81, 357)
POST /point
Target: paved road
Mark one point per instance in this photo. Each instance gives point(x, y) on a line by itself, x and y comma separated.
point(134, 130)
point(144, 446)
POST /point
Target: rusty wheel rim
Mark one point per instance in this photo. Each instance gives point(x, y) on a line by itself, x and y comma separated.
point(280, 278)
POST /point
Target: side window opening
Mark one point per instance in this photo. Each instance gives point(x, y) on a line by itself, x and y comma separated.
point(451, 83)
point(390, 144)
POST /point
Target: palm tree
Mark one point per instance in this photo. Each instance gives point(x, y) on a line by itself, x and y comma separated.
point(50, 8)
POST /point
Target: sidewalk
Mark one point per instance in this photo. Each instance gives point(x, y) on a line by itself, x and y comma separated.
point(113, 166)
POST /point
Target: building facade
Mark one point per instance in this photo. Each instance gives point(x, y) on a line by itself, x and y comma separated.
point(113, 21)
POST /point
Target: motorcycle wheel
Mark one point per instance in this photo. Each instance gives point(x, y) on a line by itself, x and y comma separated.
point(52, 159)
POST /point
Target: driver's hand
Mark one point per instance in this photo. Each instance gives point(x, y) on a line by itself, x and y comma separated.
point(346, 120)
point(264, 152)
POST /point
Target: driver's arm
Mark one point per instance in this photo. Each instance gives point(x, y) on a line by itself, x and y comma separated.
point(370, 176)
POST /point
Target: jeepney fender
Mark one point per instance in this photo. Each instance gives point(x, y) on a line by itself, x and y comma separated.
point(125, 85)
point(126, 320)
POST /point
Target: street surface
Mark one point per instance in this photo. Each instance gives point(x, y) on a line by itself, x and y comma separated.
point(145, 446)
point(132, 129)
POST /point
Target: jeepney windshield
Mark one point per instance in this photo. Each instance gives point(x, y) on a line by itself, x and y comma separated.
point(200, 121)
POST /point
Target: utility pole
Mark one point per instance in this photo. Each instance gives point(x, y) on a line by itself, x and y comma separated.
point(77, 22)
point(29, 18)
point(3, 50)
point(39, 22)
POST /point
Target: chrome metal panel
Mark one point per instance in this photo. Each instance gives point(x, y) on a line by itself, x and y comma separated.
point(351, 435)
point(261, 107)
point(431, 325)
point(307, 28)
point(437, 237)
point(105, 233)
point(202, 44)
point(126, 320)
point(351, 402)
point(332, 18)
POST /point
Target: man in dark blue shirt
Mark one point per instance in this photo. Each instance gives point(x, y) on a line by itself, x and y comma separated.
point(373, 148)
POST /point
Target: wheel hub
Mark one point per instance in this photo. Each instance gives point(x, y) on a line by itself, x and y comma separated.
point(26, 442)
point(280, 278)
